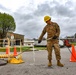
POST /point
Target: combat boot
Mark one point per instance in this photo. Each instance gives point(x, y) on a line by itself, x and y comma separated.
point(59, 64)
point(49, 64)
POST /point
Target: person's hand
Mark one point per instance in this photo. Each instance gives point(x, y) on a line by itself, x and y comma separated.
point(39, 41)
point(55, 37)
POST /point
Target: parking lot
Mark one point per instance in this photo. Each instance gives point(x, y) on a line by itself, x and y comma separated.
point(36, 64)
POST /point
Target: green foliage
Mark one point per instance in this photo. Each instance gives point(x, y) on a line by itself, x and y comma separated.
point(40, 48)
point(7, 24)
point(3, 49)
point(74, 43)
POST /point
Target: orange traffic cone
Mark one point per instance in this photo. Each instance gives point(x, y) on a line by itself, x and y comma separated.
point(15, 51)
point(73, 55)
point(7, 50)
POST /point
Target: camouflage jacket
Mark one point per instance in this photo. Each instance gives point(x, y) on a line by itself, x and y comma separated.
point(51, 30)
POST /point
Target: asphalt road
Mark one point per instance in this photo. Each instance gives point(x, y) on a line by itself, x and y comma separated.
point(36, 64)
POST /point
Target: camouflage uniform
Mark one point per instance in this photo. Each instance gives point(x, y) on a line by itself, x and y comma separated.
point(52, 30)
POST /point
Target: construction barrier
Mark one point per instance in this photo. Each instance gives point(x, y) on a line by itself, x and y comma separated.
point(12, 57)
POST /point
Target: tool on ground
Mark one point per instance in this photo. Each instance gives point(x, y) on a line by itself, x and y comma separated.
point(16, 59)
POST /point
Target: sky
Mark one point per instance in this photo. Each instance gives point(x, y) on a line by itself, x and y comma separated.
point(29, 15)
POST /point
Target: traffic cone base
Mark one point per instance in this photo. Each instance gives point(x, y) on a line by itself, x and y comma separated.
point(73, 55)
point(72, 60)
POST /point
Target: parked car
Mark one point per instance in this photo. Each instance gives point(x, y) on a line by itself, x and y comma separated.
point(61, 43)
point(44, 42)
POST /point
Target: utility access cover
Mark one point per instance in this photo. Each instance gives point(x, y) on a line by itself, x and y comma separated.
point(3, 62)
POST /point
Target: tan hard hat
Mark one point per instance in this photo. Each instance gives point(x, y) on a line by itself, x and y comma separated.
point(46, 18)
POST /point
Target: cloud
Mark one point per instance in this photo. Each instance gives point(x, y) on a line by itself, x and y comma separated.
point(27, 24)
point(29, 20)
point(65, 10)
point(3, 8)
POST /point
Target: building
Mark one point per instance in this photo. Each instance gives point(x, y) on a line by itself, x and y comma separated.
point(17, 37)
point(71, 38)
point(28, 42)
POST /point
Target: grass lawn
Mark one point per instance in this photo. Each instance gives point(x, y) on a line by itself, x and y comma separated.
point(74, 43)
point(3, 49)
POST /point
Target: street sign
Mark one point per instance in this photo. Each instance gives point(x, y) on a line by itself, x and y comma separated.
point(12, 36)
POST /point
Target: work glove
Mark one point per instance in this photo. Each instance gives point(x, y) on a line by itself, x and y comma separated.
point(39, 41)
point(55, 37)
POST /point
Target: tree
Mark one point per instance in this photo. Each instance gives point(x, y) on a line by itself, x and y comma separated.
point(7, 24)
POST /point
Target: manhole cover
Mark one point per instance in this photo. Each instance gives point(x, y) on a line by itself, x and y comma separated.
point(3, 62)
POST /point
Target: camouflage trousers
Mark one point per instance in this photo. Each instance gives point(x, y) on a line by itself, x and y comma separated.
point(53, 44)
